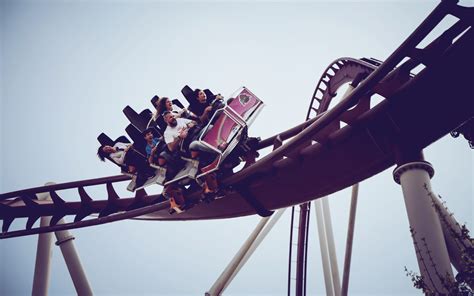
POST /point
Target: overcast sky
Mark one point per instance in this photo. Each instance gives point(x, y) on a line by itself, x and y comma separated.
point(69, 68)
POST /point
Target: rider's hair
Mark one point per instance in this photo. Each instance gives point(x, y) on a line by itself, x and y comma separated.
point(101, 153)
point(166, 113)
point(162, 105)
point(196, 92)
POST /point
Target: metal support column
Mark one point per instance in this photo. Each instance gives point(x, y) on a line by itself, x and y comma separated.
point(324, 248)
point(274, 219)
point(301, 253)
point(78, 276)
point(43, 257)
point(331, 247)
point(290, 251)
point(244, 253)
point(433, 260)
point(350, 238)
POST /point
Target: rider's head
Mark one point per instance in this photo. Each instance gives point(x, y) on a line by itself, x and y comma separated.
point(200, 95)
point(168, 104)
point(148, 135)
point(104, 151)
point(169, 118)
point(164, 104)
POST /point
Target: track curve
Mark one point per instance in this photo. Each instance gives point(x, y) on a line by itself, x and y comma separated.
point(412, 116)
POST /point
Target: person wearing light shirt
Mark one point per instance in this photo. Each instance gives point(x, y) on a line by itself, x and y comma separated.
point(164, 104)
point(176, 130)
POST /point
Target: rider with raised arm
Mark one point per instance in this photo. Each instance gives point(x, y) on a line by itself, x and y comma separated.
point(151, 144)
point(177, 132)
point(164, 104)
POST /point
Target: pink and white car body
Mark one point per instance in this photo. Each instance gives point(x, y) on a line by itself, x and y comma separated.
point(226, 127)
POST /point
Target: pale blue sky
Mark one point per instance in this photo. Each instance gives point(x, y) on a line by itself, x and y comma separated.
point(68, 69)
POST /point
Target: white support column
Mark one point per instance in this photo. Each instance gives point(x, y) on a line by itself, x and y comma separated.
point(78, 276)
point(244, 253)
point(328, 281)
point(220, 283)
point(430, 247)
point(274, 219)
point(73, 263)
point(349, 240)
point(43, 257)
point(331, 247)
point(247, 249)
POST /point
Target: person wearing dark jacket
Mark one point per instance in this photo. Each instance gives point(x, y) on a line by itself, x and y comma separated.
point(206, 105)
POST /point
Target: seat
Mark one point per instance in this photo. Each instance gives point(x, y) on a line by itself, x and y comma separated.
point(186, 174)
point(139, 120)
point(161, 124)
point(139, 145)
point(188, 93)
point(105, 140)
point(121, 139)
point(137, 138)
point(178, 103)
point(154, 100)
point(145, 116)
point(208, 93)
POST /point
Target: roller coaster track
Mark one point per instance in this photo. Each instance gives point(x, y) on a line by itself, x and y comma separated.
point(320, 157)
point(341, 71)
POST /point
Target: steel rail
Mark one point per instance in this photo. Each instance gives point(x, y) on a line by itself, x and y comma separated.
point(67, 185)
point(300, 139)
point(91, 222)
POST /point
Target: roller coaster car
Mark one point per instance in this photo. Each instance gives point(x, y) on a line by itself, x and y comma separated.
point(226, 130)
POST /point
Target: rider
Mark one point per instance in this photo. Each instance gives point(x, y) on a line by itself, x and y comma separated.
point(117, 154)
point(164, 104)
point(151, 144)
point(123, 154)
point(204, 110)
point(177, 133)
point(153, 120)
